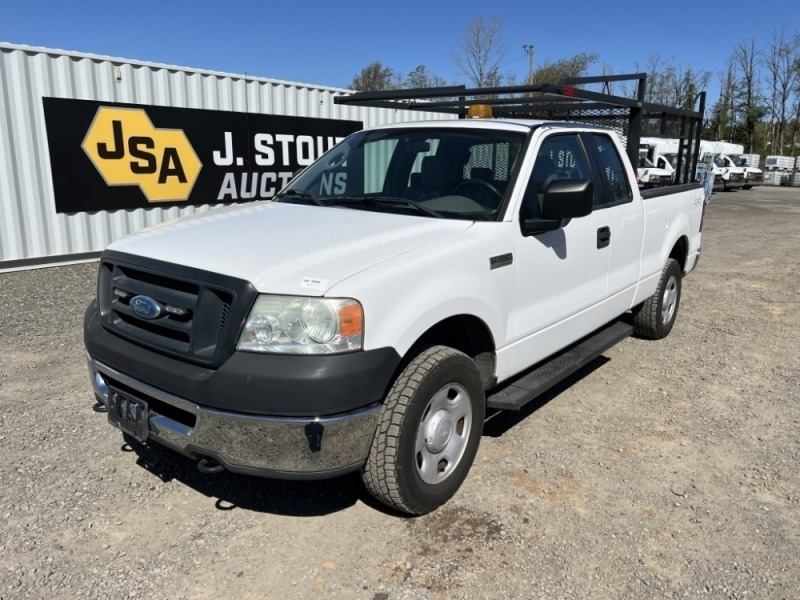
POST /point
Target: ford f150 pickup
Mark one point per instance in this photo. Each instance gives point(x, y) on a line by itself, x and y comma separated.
point(413, 277)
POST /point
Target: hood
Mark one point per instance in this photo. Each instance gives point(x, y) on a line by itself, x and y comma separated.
point(287, 248)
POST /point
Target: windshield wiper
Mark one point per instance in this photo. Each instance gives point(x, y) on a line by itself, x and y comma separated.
point(299, 195)
point(388, 201)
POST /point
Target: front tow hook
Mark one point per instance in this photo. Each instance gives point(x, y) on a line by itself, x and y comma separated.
point(209, 466)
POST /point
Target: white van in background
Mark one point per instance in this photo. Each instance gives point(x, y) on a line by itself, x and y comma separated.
point(731, 168)
point(663, 153)
point(732, 176)
point(733, 156)
point(648, 175)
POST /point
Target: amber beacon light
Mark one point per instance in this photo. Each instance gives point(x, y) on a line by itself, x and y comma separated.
point(479, 111)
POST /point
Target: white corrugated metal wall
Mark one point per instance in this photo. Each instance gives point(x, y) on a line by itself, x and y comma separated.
point(30, 229)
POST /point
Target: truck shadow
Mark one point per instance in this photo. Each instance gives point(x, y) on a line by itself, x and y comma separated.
point(232, 491)
point(499, 421)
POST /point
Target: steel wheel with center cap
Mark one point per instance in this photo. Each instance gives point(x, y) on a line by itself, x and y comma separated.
point(443, 433)
point(429, 431)
point(655, 317)
point(669, 301)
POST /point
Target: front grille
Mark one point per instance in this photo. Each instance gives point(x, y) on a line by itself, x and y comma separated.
point(198, 316)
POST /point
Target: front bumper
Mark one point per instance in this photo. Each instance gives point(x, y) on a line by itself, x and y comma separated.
point(252, 382)
point(279, 447)
point(754, 179)
point(734, 182)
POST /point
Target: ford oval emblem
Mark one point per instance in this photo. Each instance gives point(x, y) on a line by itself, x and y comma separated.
point(145, 307)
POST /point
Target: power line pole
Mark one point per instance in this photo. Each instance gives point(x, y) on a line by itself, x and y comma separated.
point(529, 51)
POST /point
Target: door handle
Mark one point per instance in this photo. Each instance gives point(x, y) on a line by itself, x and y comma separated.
point(603, 237)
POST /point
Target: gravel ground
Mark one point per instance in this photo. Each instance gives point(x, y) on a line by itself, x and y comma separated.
point(663, 470)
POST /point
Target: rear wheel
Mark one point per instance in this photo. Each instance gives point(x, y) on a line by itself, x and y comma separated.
point(654, 318)
point(428, 434)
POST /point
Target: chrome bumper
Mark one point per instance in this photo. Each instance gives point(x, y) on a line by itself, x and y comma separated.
point(280, 447)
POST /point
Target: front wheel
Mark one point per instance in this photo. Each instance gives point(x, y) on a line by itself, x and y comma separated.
point(428, 433)
point(654, 318)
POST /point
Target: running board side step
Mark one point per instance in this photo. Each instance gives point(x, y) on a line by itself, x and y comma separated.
point(562, 365)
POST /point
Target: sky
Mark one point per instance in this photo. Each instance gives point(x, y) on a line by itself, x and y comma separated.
point(328, 43)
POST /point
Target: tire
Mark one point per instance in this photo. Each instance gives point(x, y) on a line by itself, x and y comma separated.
point(428, 433)
point(655, 317)
point(747, 187)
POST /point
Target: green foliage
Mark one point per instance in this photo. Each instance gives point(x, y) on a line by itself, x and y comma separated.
point(374, 77)
point(744, 112)
point(422, 78)
point(555, 71)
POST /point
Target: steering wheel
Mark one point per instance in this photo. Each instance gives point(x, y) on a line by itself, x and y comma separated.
point(482, 187)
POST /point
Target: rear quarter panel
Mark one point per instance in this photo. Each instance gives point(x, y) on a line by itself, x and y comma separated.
point(670, 214)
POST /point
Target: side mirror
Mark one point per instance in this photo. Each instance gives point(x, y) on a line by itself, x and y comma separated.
point(568, 199)
point(564, 199)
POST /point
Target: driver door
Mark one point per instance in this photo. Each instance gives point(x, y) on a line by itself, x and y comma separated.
point(561, 275)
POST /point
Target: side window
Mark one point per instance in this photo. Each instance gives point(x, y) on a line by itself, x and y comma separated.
point(611, 169)
point(559, 157)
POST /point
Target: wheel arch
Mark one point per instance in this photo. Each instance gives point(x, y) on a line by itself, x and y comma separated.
point(466, 333)
point(680, 252)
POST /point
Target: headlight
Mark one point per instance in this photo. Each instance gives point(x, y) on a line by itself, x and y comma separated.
point(299, 325)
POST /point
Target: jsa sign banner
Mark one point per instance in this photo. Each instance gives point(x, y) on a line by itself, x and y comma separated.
point(106, 156)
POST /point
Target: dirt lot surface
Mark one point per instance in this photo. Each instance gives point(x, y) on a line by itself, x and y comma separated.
point(663, 470)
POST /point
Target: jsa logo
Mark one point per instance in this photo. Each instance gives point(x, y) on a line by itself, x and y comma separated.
point(127, 150)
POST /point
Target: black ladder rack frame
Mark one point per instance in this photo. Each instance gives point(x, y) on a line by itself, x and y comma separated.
point(559, 102)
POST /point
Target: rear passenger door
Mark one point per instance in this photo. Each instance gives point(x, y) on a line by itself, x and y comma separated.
point(623, 206)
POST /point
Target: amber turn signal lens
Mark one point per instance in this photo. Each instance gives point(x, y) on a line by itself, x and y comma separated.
point(351, 320)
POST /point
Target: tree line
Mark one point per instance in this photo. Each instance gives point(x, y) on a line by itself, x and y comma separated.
point(758, 104)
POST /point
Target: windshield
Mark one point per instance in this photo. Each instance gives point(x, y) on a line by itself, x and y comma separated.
point(442, 172)
point(673, 159)
point(738, 160)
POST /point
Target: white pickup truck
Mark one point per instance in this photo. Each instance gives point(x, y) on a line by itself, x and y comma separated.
point(413, 277)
